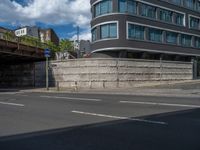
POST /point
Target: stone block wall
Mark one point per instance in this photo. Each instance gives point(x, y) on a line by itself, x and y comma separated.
point(112, 73)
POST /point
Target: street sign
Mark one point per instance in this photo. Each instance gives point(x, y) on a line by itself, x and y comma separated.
point(47, 52)
point(47, 55)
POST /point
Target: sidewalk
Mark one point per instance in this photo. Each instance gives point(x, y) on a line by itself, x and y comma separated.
point(134, 91)
point(180, 89)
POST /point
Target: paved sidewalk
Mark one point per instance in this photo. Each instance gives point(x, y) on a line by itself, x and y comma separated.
point(180, 89)
point(133, 91)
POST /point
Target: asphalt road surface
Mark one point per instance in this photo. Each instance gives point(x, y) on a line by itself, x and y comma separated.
point(45, 121)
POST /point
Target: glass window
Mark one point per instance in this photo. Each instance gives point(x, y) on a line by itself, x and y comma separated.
point(177, 2)
point(127, 6)
point(194, 23)
point(155, 35)
point(97, 10)
point(197, 42)
point(103, 7)
point(166, 15)
point(189, 3)
point(198, 6)
point(122, 6)
point(148, 11)
point(179, 19)
point(186, 40)
point(104, 31)
point(136, 32)
point(94, 34)
point(171, 37)
point(113, 30)
point(132, 7)
point(106, 6)
point(108, 31)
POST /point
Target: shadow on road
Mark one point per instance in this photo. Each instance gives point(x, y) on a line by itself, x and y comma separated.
point(182, 132)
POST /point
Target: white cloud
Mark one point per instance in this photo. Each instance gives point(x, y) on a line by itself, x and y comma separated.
point(83, 35)
point(76, 12)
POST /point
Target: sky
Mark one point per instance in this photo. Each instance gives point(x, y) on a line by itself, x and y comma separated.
point(62, 15)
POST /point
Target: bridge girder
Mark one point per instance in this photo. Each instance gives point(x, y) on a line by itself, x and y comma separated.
point(12, 52)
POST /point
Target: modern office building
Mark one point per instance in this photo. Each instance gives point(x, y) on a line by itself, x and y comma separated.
point(146, 29)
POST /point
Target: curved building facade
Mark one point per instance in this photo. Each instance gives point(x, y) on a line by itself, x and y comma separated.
point(146, 29)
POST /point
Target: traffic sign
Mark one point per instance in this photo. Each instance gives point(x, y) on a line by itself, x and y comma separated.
point(47, 52)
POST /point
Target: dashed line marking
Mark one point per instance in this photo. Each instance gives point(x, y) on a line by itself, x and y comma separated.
point(72, 98)
point(160, 104)
point(119, 117)
point(13, 104)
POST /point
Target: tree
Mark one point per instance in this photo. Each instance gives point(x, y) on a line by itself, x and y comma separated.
point(66, 45)
point(52, 46)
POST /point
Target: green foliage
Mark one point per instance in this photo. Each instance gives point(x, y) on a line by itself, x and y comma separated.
point(31, 41)
point(66, 45)
point(26, 40)
point(9, 36)
point(52, 46)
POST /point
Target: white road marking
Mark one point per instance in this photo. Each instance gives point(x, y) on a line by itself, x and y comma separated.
point(160, 104)
point(72, 98)
point(13, 104)
point(118, 117)
point(10, 93)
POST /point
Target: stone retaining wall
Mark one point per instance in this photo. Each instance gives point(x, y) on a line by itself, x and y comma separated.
point(112, 73)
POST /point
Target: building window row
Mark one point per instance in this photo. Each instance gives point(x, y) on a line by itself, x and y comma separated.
point(151, 12)
point(191, 4)
point(138, 32)
point(137, 8)
point(144, 33)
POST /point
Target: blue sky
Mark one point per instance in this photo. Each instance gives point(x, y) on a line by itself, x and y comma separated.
point(62, 15)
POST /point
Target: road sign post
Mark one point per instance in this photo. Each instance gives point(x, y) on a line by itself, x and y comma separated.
point(47, 55)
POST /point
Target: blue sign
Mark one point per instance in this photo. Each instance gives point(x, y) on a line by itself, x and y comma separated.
point(47, 52)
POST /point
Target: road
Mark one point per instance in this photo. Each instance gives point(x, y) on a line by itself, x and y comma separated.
point(47, 121)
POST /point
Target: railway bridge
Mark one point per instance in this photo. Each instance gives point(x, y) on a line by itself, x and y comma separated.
point(17, 60)
point(15, 51)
